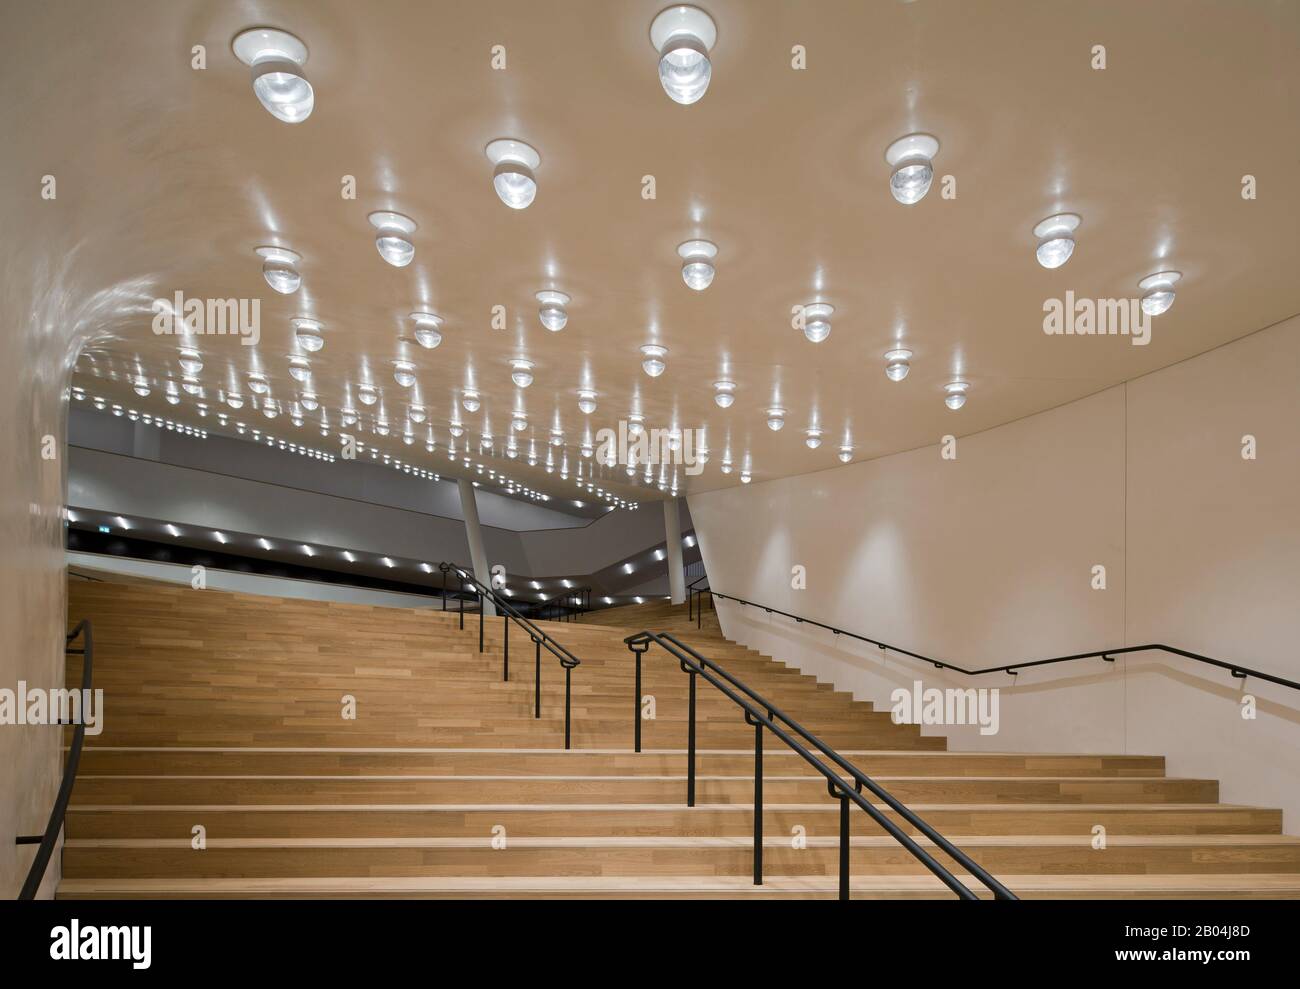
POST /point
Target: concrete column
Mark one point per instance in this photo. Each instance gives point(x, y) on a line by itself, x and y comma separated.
point(474, 536)
point(673, 536)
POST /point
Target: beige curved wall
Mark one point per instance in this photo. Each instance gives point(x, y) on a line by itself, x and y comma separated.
point(987, 559)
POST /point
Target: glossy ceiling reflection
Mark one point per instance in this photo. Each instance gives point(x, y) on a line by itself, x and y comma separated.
point(694, 264)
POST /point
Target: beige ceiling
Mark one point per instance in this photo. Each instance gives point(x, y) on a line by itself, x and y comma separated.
point(170, 177)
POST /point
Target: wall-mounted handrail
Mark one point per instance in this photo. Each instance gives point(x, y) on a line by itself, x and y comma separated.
point(761, 713)
point(509, 613)
point(55, 824)
point(1236, 669)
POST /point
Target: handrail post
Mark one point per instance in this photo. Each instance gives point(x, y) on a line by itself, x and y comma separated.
point(537, 678)
point(462, 603)
point(444, 590)
point(636, 706)
point(568, 685)
point(482, 609)
point(690, 749)
point(505, 639)
point(844, 847)
point(758, 802)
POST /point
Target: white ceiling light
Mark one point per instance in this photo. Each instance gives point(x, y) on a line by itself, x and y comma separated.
point(427, 333)
point(299, 369)
point(813, 438)
point(367, 394)
point(683, 36)
point(652, 361)
point(1056, 239)
point(309, 401)
point(257, 384)
point(586, 401)
point(775, 418)
point(191, 362)
point(521, 372)
point(306, 332)
point(910, 158)
point(191, 385)
point(745, 477)
point(416, 414)
point(724, 393)
point(513, 177)
point(270, 410)
point(519, 422)
point(552, 312)
point(956, 394)
point(697, 263)
point(817, 321)
point(141, 387)
point(470, 400)
point(404, 373)
point(635, 424)
point(348, 417)
point(394, 238)
point(235, 401)
point(280, 268)
point(846, 454)
point(456, 429)
point(277, 58)
point(897, 366)
point(1159, 289)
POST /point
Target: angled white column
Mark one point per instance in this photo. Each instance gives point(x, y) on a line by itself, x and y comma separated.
point(673, 536)
point(474, 536)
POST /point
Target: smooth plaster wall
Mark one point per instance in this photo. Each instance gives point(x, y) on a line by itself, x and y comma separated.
point(987, 559)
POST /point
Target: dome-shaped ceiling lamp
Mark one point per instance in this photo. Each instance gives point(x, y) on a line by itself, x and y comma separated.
point(512, 176)
point(393, 237)
point(277, 59)
point(684, 36)
point(911, 159)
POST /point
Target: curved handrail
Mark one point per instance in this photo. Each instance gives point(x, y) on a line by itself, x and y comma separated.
point(1236, 669)
point(693, 662)
point(55, 824)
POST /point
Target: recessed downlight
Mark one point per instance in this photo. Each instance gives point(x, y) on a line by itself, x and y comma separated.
point(724, 393)
point(684, 36)
point(652, 359)
point(955, 396)
point(897, 363)
point(277, 59)
point(393, 237)
point(512, 176)
point(552, 312)
point(306, 332)
point(697, 263)
point(427, 329)
point(280, 268)
point(1158, 291)
point(586, 401)
point(368, 394)
point(1056, 239)
point(775, 418)
point(911, 159)
point(404, 373)
point(257, 384)
point(521, 372)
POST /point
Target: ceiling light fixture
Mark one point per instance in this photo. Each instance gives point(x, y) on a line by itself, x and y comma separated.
point(277, 58)
point(416, 414)
point(257, 384)
point(910, 158)
point(519, 422)
point(586, 401)
point(427, 333)
point(404, 373)
point(552, 313)
point(697, 263)
point(191, 362)
point(394, 237)
point(513, 177)
point(280, 268)
point(470, 400)
point(812, 438)
point(521, 372)
point(897, 366)
point(309, 401)
point(652, 362)
point(817, 321)
point(1159, 289)
point(846, 454)
point(299, 369)
point(635, 424)
point(683, 36)
point(141, 387)
point(724, 393)
point(956, 394)
point(367, 394)
point(1056, 239)
point(306, 331)
point(775, 418)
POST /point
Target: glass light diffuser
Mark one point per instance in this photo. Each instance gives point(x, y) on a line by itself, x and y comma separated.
point(393, 237)
point(683, 36)
point(1056, 239)
point(277, 59)
point(910, 159)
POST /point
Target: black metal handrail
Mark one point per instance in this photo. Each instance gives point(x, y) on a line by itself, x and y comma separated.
point(569, 606)
point(1236, 669)
point(694, 596)
point(761, 713)
point(509, 613)
point(55, 824)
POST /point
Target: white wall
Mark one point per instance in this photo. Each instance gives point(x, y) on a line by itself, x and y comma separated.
point(987, 559)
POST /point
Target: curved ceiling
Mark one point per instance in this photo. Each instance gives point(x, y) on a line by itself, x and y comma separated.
point(169, 177)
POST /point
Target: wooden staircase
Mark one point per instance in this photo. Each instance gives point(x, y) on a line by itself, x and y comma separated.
point(225, 712)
